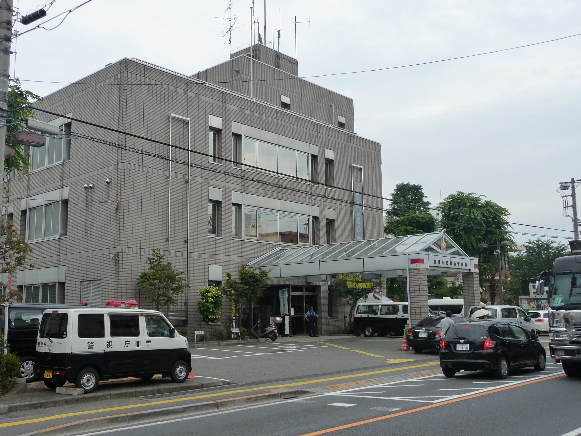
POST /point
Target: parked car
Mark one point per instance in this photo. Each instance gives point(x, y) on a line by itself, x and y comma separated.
point(425, 335)
point(540, 319)
point(506, 313)
point(492, 345)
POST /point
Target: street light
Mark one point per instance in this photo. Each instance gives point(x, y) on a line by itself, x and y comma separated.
point(498, 253)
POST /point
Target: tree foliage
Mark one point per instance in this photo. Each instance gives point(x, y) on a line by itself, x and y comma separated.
point(13, 253)
point(469, 220)
point(19, 110)
point(409, 213)
point(210, 303)
point(538, 256)
point(247, 288)
point(161, 283)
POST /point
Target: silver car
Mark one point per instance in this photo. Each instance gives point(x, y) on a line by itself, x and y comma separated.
point(506, 313)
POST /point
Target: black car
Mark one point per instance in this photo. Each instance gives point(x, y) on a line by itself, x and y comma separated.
point(425, 335)
point(494, 345)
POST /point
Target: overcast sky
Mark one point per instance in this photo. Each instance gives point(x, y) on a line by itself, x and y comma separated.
point(504, 125)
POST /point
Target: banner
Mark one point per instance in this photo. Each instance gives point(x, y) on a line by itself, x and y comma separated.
point(283, 297)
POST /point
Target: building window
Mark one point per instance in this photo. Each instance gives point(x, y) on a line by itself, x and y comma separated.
point(271, 157)
point(236, 150)
point(236, 220)
point(56, 150)
point(315, 230)
point(314, 168)
point(330, 231)
point(276, 226)
point(329, 172)
point(214, 217)
point(41, 293)
point(341, 122)
point(47, 221)
point(214, 137)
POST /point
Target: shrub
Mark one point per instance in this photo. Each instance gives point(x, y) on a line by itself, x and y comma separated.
point(243, 333)
point(220, 335)
point(210, 303)
point(9, 369)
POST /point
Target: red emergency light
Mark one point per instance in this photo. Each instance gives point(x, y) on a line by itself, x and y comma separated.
point(131, 304)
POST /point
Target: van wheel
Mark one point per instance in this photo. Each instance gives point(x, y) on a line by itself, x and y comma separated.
point(88, 380)
point(368, 331)
point(27, 368)
point(179, 371)
point(53, 384)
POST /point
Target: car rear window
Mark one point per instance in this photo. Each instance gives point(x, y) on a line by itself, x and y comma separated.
point(466, 331)
point(429, 321)
point(54, 325)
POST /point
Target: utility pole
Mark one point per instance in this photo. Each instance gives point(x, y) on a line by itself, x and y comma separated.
point(5, 44)
point(574, 205)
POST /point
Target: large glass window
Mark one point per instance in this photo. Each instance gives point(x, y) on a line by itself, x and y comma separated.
point(271, 157)
point(274, 226)
point(56, 150)
point(47, 221)
point(267, 225)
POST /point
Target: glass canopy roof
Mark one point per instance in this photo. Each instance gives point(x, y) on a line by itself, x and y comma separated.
point(437, 242)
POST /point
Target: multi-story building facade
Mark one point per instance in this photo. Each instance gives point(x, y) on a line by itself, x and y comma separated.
point(213, 170)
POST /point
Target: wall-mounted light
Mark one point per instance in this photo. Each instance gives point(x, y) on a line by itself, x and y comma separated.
point(107, 181)
point(90, 185)
point(85, 186)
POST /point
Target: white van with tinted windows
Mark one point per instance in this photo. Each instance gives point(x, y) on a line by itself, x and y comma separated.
point(86, 345)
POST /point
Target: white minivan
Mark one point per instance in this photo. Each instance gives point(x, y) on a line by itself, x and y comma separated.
point(86, 345)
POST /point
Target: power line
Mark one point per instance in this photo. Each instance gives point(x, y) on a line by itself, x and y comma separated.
point(40, 26)
point(260, 170)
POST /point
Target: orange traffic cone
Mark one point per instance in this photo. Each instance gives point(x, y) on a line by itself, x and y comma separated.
point(404, 343)
point(191, 373)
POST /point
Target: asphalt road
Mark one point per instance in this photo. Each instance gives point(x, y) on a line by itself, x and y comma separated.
point(311, 385)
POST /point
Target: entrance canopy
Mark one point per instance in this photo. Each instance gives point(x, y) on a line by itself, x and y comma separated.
point(390, 257)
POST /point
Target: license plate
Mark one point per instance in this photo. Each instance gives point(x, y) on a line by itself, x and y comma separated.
point(423, 334)
point(463, 347)
point(48, 373)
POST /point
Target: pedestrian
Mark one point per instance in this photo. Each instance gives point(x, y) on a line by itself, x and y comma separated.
point(446, 323)
point(311, 318)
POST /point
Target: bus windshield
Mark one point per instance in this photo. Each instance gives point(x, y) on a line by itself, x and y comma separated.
point(566, 291)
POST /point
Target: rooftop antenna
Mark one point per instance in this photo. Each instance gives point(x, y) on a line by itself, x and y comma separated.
point(299, 22)
point(264, 22)
point(279, 28)
point(231, 24)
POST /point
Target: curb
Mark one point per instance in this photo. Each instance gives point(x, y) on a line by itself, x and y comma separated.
point(94, 397)
point(212, 406)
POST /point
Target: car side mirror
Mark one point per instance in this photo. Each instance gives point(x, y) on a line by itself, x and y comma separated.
point(527, 318)
point(172, 332)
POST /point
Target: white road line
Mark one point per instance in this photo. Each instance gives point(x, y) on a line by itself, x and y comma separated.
point(573, 432)
point(341, 404)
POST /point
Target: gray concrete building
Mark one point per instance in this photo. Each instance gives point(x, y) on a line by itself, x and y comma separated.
point(214, 169)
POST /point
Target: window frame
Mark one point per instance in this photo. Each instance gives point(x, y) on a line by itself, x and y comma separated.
point(61, 225)
point(57, 146)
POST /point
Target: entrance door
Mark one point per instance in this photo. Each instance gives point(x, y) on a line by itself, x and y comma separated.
point(302, 298)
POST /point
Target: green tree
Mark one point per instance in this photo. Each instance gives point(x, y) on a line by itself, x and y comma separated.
point(161, 283)
point(471, 220)
point(19, 110)
point(13, 253)
point(210, 303)
point(409, 213)
point(538, 256)
point(247, 288)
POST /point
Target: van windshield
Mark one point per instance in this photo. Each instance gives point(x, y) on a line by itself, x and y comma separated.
point(54, 325)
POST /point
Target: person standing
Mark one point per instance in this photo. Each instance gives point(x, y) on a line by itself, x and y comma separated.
point(446, 323)
point(311, 318)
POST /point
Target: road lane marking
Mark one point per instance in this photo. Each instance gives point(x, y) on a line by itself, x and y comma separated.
point(342, 404)
point(430, 406)
point(216, 394)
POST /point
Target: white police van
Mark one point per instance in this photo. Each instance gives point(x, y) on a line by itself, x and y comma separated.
point(86, 345)
point(377, 314)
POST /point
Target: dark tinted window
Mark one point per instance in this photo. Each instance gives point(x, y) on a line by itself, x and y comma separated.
point(124, 325)
point(519, 332)
point(430, 321)
point(54, 325)
point(503, 331)
point(25, 318)
point(91, 325)
point(466, 331)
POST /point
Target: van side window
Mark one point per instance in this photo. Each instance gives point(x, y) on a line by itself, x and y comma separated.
point(124, 325)
point(368, 309)
point(405, 309)
point(157, 327)
point(388, 310)
point(91, 325)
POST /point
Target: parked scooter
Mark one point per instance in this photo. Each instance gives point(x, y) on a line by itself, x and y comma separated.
point(270, 332)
